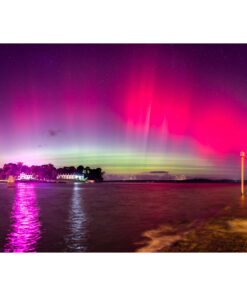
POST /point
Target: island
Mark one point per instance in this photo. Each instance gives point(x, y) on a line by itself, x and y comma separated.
point(49, 173)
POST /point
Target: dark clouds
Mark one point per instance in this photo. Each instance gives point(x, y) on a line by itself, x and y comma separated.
point(54, 133)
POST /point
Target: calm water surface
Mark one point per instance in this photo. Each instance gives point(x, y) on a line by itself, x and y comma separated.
point(106, 217)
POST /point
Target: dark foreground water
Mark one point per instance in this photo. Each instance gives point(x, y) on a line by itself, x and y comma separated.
point(122, 217)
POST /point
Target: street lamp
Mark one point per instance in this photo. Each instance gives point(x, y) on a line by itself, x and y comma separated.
point(242, 172)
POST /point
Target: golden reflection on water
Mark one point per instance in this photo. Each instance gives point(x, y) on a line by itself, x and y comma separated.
point(242, 202)
point(158, 239)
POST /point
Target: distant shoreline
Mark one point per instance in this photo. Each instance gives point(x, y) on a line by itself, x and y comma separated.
point(135, 181)
point(174, 181)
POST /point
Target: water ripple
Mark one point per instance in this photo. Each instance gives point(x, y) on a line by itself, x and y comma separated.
point(25, 230)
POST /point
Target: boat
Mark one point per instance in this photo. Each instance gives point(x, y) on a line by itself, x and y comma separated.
point(11, 181)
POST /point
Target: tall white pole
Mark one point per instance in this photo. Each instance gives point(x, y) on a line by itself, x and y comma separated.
point(242, 172)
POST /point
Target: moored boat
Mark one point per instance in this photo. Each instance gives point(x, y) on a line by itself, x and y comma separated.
point(89, 181)
point(11, 181)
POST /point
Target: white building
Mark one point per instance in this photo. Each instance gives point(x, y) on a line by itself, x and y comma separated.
point(24, 176)
point(74, 177)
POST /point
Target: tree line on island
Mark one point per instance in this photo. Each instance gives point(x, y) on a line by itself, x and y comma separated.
point(48, 171)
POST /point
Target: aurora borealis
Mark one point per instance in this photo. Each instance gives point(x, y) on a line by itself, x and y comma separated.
point(134, 110)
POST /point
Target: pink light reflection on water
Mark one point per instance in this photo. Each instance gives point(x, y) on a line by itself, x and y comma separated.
point(25, 228)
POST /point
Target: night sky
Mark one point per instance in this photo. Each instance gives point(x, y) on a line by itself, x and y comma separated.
point(148, 111)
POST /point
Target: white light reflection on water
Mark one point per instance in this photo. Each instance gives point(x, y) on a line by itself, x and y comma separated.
point(76, 232)
point(25, 229)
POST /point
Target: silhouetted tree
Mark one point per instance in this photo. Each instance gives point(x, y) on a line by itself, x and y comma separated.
point(48, 171)
point(80, 169)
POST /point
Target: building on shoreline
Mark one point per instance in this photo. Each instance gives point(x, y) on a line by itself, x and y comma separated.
point(72, 177)
point(25, 177)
